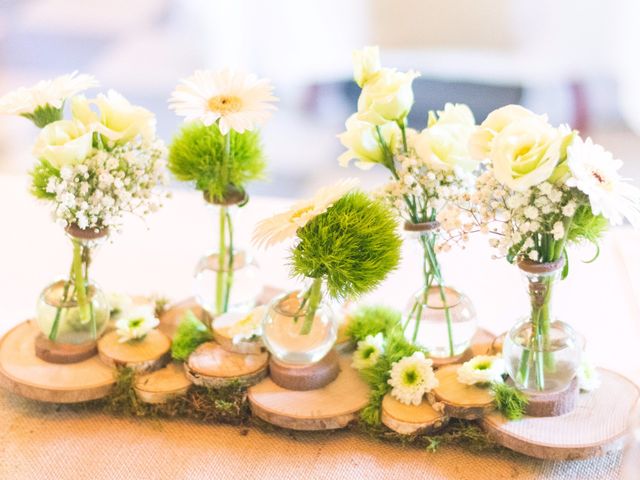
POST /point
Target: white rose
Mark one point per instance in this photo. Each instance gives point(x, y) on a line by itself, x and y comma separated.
point(361, 141)
point(526, 152)
point(63, 143)
point(443, 144)
point(387, 97)
point(118, 120)
point(481, 141)
point(366, 63)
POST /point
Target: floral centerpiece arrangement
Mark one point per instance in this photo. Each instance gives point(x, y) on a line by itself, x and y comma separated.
point(346, 244)
point(93, 168)
point(427, 168)
point(219, 150)
point(543, 189)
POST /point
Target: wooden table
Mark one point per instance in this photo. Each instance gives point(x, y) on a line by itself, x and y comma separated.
point(601, 300)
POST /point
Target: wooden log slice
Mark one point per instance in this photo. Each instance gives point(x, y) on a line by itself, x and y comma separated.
point(149, 354)
point(411, 419)
point(305, 377)
point(22, 372)
point(331, 407)
point(223, 327)
point(460, 400)
point(162, 385)
point(63, 353)
point(212, 366)
point(552, 404)
point(598, 424)
point(480, 345)
point(173, 315)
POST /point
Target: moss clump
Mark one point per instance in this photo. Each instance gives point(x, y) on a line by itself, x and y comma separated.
point(353, 245)
point(371, 320)
point(509, 401)
point(197, 154)
point(190, 334)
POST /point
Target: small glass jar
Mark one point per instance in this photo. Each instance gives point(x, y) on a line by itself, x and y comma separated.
point(429, 325)
point(295, 335)
point(541, 353)
point(75, 310)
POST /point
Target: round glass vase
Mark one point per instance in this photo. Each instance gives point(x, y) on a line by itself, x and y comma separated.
point(542, 354)
point(75, 310)
point(438, 317)
point(227, 278)
point(300, 327)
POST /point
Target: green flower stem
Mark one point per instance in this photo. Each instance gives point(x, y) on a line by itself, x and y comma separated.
point(53, 334)
point(229, 271)
point(315, 297)
point(86, 260)
point(80, 282)
point(224, 276)
point(222, 257)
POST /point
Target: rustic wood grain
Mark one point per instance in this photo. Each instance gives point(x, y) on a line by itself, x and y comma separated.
point(411, 419)
point(460, 400)
point(150, 353)
point(163, 384)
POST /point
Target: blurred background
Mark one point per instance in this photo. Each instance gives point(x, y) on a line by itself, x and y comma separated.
point(575, 59)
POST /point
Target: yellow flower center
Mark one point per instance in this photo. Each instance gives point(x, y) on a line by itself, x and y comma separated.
point(225, 104)
point(298, 213)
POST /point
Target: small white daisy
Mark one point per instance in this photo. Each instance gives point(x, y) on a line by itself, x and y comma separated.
point(136, 324)
point(52, 93)
point(235, 100)
point(120, 304)
point(368, 351)
point(481, 369)
point(411, 378)
point(241, 327)
point(595, 172)
point(284, 225)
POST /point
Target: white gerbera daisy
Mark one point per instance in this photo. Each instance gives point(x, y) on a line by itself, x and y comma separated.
point(45, 98)
point(235, 100)
point(588, 376)
point(368, 351)
point(284, 225)
point(136, 324)
point(595, 172)
point(411, 378)
point(481, 369)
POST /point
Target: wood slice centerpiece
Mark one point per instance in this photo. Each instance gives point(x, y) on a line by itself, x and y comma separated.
point(24, 373)
point(331, 407)
point(54, 352)
point(461, 401)
point(212, 366)
point(146, 355)
point(411, 419)
point(305, 377)
point(162, 385)
point(596, 426)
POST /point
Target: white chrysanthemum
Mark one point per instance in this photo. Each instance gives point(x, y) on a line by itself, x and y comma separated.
point(595, 172)
point(411, 378)
point(588, 376)
point(481, 369)
point(368, 351)
point(136, 324)
point(241, 327)
point(235, 100)
point(53, 93)
point(284, 225)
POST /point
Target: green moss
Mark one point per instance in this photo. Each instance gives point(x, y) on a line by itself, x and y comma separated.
point(509, 401)
point(40, 178)
point(197, 155)
point(371, 320)
point(353, 245)
point(191, 332)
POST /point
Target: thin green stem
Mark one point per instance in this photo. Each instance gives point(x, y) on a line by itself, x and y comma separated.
point(315, 297)
point(80, 282)
point(222, 256)
point(229, 282)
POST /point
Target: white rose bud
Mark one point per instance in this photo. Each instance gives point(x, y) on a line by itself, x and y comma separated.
point(387, 97)
point(63, 143)
point(366, 63)
point(361, 140)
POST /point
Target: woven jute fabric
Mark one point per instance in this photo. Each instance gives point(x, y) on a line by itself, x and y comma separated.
point(46, 442)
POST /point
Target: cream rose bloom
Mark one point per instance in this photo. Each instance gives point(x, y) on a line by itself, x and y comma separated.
point(63, 142)
point(118, 120)
point(480, 142)
point(386, 97)
point(526, 152)
point(361, 141)
point(366, 63)
point(443, 144)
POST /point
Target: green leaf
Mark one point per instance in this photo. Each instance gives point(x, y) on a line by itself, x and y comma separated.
point(565, 267)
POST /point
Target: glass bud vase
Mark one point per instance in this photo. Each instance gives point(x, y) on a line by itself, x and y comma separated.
point(299, 327)
point(438, 317)
point(75, 310)
point(227, 278)
point(542, 354)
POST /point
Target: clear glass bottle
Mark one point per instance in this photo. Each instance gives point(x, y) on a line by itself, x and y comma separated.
point(438, 317)
point(75, 310)
point(299, 327)
point(542, 354)
point(227, 278)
